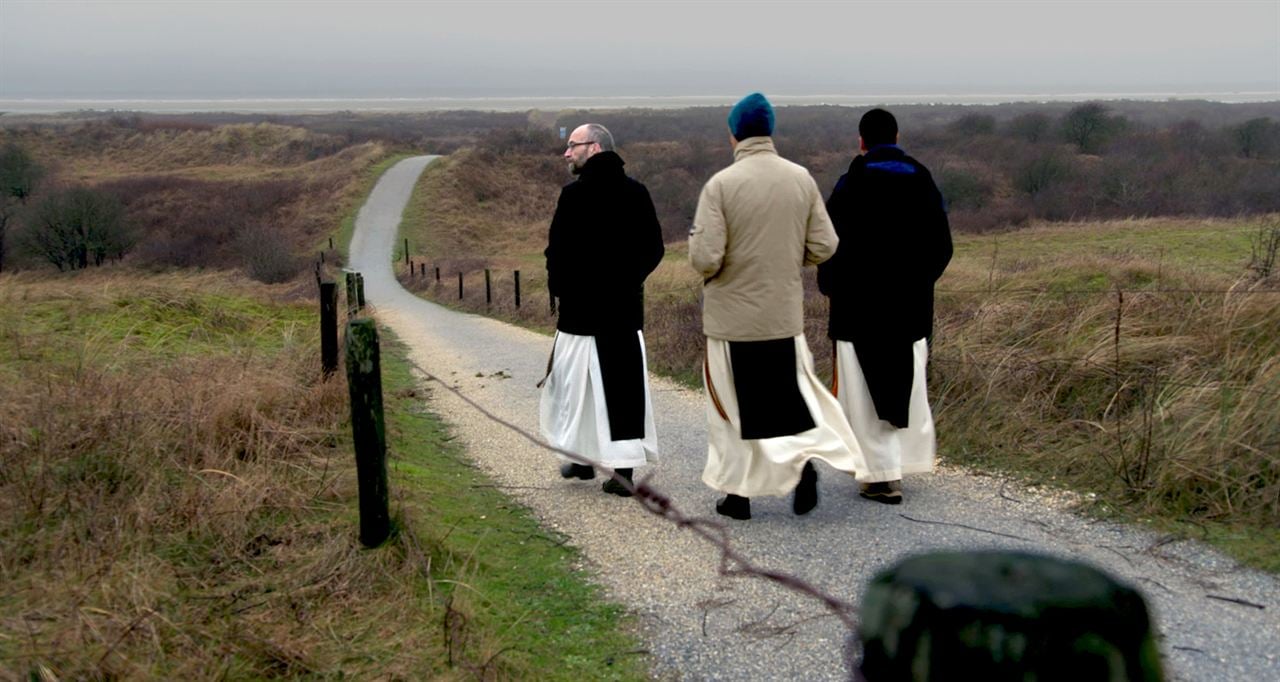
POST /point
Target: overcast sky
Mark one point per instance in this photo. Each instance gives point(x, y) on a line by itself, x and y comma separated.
point(227, 48)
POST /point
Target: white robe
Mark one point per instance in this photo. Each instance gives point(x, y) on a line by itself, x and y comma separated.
point(890, 451)
point(572, 412)
point(771, 466)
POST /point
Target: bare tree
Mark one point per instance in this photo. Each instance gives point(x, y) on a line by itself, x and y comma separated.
point(76, 228)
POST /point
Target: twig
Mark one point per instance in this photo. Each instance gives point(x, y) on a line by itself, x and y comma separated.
point(967, 527)
point(1241, 602)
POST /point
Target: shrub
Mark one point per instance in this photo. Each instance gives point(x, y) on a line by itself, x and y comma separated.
point(1088, 126)
point(19, 173)
point(1041, 172)
point(1032, 127)
point(77, 227)
point(972, 125)
point(1256, 138)
point(964, 190)
point(265, 254)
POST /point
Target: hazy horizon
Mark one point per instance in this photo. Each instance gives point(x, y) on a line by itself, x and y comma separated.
point(209, 50)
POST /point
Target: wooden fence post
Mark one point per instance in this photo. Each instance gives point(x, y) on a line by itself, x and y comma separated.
point(330, 243)
point(328, 328)
point(437, 273)
point(406, 248)
point(360, 290)
point(422, 270)
point(351, 294)
point(459, 286)
point(368, 429)
point(488, 292)
point(517, 288)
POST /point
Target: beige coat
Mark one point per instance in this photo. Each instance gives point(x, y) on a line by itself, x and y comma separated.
point(759, 222)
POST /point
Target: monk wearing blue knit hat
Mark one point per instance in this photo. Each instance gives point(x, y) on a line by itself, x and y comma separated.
point(752, 116)
point(759, 222)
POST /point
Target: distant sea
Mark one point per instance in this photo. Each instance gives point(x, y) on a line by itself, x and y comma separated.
point(417, 104)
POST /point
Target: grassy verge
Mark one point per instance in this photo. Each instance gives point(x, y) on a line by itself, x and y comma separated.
point(177, 499)
point(506, 574)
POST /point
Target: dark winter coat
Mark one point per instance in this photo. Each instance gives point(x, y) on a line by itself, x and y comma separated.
point(604, 241)
point(895, 242)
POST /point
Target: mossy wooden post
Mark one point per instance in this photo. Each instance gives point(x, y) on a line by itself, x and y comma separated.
point(517, 288)
point(1002, 615)
point(368, 429)
point(351, 294)
point(328, 328)
point(360, 291)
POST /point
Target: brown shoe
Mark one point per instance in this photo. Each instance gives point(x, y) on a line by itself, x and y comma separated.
point(887, 492)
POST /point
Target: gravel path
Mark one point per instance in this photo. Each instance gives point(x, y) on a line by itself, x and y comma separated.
point(698, 625)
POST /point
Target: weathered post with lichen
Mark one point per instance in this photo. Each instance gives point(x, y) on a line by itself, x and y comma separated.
point(328, 328)
point(368, 429)
point(351, 294)
point(1001, 615)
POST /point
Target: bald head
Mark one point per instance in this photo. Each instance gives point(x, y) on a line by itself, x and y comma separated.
point(585, 142)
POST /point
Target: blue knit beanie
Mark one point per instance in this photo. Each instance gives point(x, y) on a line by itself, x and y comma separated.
point(752, 116)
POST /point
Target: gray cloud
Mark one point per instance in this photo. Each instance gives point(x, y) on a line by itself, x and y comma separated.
point(335, 49)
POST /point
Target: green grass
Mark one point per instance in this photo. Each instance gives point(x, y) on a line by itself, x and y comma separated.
point(518, 578)
point(1210, 246)
point(178, 500)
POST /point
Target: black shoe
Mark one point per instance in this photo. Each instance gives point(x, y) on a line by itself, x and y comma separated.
point(614, 487)
point(887, 492)
point(805, 497)
point(734, 507)
point(574, 470)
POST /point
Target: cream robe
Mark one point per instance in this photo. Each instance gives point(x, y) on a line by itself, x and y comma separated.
point(573, 414)
point(771, 466)
point(890, 452)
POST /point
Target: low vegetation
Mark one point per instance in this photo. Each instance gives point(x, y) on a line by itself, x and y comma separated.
point(177, 499)
point(253, 196)
point(1134, 359)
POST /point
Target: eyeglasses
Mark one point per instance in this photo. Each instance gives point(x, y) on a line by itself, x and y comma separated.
point(579, 144)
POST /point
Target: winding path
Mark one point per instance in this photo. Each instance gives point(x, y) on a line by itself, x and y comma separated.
point(699, 625)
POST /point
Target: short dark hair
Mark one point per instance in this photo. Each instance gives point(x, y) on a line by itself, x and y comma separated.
point(878, 127)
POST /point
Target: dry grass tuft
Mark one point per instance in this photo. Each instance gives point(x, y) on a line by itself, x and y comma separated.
point(173, 498)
